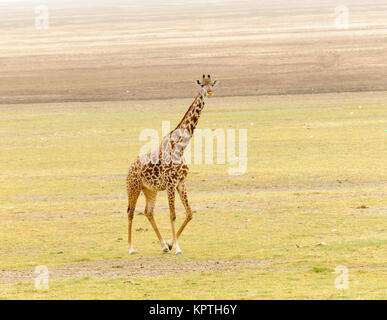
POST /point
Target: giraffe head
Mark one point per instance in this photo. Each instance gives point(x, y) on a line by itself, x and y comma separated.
point(207, 85)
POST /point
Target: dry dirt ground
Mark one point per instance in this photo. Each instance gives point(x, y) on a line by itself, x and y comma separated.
point(115, 50)
point(143, 267)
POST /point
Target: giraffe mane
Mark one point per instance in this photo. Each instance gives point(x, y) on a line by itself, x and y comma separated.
point(189, 109)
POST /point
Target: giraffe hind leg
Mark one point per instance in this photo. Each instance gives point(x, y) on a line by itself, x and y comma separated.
point(133, 194)
point(150, 197)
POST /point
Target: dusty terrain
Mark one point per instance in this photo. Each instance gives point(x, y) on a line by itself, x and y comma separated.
point(103, 51)
point(143, 267)
point(74, 98)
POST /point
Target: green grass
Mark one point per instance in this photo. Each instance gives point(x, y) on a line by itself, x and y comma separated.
point(246, 285)
point(311, 165)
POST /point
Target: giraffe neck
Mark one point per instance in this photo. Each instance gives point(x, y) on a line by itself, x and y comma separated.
point(191, 117)
point(182, 134)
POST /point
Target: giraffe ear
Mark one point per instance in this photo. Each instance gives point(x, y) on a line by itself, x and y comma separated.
point(198, 82)
point(215, 83)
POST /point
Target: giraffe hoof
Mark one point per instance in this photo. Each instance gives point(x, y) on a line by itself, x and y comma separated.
point(170, 245)
point(165, 250)
point(178, 252)
point(132, 252)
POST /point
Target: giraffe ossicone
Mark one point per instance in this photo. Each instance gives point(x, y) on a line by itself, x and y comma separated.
point(165, 169)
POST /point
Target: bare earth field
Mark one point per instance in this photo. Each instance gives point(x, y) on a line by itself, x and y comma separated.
point(74, 99)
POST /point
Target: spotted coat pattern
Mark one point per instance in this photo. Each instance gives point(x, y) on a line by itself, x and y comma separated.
point(165, 169)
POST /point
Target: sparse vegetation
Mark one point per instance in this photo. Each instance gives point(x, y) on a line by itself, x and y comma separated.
point(75, 97)
point(63, 200)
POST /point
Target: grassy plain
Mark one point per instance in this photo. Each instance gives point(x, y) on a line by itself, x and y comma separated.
point(313, 162)
point(75, 97)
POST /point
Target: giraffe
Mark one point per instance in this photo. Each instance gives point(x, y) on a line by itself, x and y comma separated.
point(165, 169)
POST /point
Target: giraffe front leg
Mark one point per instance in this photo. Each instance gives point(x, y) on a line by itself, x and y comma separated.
point(184, 199)
point(171, 200)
